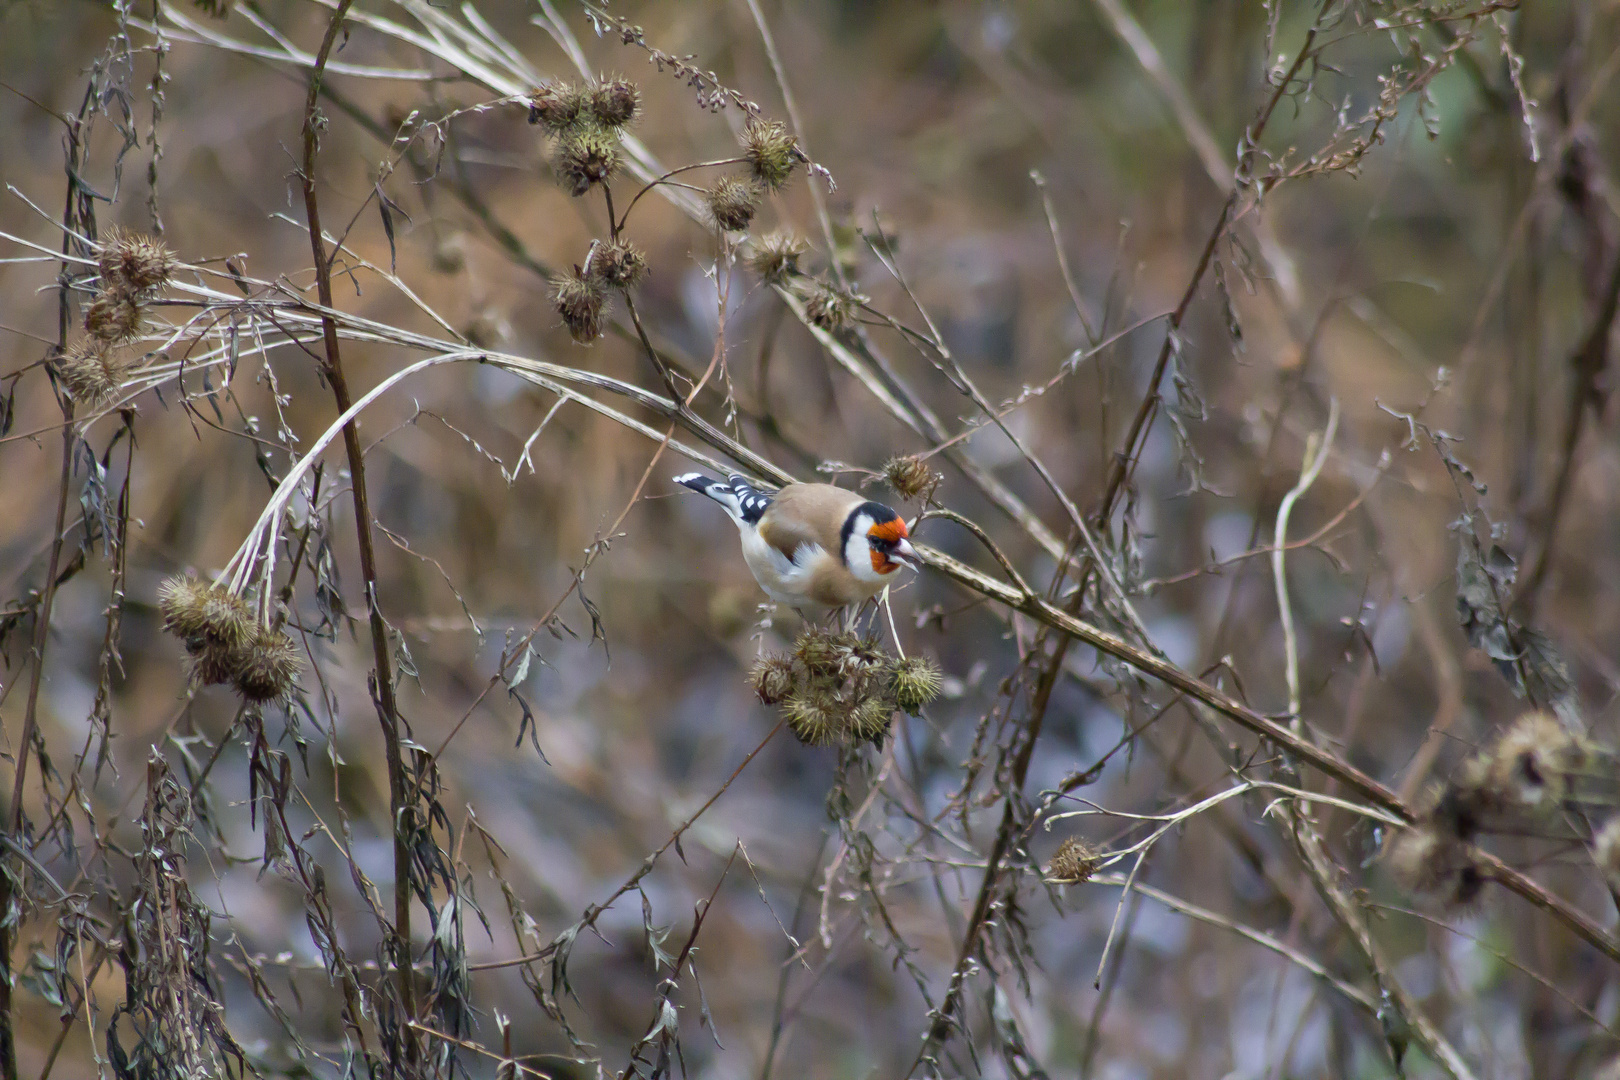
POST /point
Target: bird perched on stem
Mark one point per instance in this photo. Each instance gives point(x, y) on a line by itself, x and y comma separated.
point(813, 547)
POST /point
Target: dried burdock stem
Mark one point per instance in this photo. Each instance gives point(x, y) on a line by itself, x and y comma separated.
point(24, 746)
point(388, 711)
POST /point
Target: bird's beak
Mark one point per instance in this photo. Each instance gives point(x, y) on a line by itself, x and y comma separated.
point(908, 554)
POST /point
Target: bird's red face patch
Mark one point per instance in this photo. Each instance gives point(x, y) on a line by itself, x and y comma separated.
point(884, 536)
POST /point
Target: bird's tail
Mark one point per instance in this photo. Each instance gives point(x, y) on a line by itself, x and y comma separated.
point(742, 500)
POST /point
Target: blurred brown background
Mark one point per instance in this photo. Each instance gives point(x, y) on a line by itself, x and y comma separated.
point(1452, 249)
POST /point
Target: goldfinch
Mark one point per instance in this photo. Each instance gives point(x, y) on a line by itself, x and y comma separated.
point(813, 547)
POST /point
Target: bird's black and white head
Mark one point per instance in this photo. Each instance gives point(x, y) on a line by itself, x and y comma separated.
point(875, 543)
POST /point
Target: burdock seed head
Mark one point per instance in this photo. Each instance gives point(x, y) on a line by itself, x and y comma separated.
point(732, 202)
point(266, 668)
point(1074, 862)
point(869, 720)
point(582, 303)
point(910, 476)
point(113, 317)
point(812, 717)
point(828, 306)
point(1533, 762)
point(914, 682)
point(772, 152)
point(773, 679)
point(584, 158)
point(775, 257)
point(1433, 865)
point(818, 651)
point(621, 264)
point(615, 102)
point(133, 263)
point(213, 666)
point(559, 107)
point(91, 371)
point(208, 618)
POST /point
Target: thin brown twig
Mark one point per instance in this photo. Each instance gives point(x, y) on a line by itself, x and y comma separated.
point(400, 797)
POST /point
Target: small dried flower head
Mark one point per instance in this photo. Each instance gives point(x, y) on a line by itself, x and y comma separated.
point(812, 716)
point(1606, 852)
point(914, 682)
point(615, 102)
point(450, 254)
point(775, 257)
point(1534, 761)
point(207, 617)
point(559, 107)
point(1074, 862)
point(113, 317)
point(828, 306)
point(854, 657)
point(265, 670)
point(868, 720)
point(213, 666)
point(1431, 864)
point(91, 371)
point(216, 8)
point(620, 264)
point(772, 152)
point(732, 202)
point(583, 305)
point(910, 476)
point(584, 158)
point(134, 264)
point(773, 678)
point(818, 651)
point(489, 328)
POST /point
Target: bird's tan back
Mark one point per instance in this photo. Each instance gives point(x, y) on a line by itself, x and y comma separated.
point(807, 514)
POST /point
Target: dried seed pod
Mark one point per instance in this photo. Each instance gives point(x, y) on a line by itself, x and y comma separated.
point(91, 371)
point(910, 476)
point(586, 157)
point(818, 651)
point(114, 317)
point(265, 670)
point(868, 720)
point(773, 678)
point(772, 152)
point(213, 666)
point(1074, 862)
point(775, 257)
point(559, 107)
point(732, 202)
point(914, 682)
point(206, 617)
point(621, 264)
point(583, 305)
point(615, 102)
point(828, 306)
point(1533, 763)
point(1431, 864)
point(811, 716)
point(133, 263)
point(450, 254)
